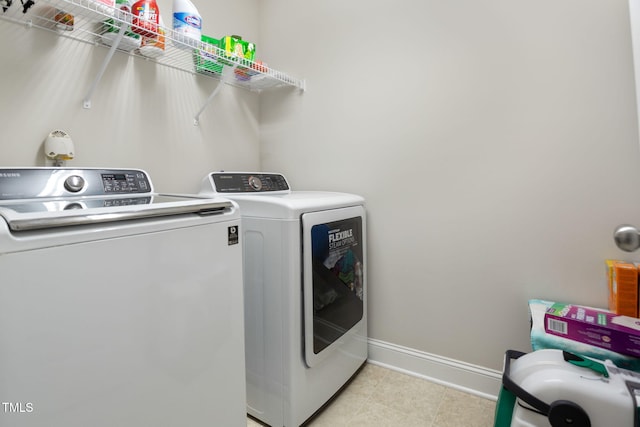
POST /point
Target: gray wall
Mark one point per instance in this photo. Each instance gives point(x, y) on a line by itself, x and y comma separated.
point(495, 141)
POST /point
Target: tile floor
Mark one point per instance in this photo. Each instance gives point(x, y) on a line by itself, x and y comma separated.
point(380, 397)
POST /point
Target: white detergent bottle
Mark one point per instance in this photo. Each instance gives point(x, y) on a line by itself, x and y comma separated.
point(187, 24)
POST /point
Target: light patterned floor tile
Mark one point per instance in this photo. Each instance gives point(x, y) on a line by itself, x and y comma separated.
point(342, 411)
point(462, 409)
point(252, 423)
point(380, 397)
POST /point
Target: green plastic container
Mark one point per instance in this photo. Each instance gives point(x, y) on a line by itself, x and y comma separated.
point(206, 58)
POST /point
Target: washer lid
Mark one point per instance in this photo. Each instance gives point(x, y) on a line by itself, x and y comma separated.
point(37, 198)
point(50, 213)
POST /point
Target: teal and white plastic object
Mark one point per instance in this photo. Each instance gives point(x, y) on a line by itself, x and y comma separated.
point(561, 389)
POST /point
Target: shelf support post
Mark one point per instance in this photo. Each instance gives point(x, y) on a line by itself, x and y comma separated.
point(227, 72)
point(103, 67)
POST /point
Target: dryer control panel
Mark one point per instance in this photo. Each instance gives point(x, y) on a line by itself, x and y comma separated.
point(248, 182)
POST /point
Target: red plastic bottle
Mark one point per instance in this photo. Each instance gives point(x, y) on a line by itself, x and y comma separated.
point(145, 18)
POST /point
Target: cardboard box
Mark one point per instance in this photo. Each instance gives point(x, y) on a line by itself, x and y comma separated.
point(237, 49)
point(625, 278)
point(600, 328)
point(609, 263)
point(623, 287)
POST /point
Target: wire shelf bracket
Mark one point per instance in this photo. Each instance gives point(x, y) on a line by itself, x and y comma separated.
point(105, 63)
point(91, 19)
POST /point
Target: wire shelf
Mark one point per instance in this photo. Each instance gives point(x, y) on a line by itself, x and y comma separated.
point(91, 22)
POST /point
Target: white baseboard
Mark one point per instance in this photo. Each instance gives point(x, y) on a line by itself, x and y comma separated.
point(463, 376)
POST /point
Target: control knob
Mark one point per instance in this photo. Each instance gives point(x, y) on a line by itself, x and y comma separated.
point(255, 183)
point(74, 183)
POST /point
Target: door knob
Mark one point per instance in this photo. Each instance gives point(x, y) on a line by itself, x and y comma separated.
point(627, 238)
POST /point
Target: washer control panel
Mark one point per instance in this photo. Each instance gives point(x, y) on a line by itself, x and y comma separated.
point(28, 183)
point(121, 182)
point(248, 182)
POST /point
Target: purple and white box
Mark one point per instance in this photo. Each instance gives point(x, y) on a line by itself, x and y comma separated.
point(596, 327)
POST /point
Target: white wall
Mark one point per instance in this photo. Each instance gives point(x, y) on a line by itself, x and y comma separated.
point(141, 115)
point(495, 142)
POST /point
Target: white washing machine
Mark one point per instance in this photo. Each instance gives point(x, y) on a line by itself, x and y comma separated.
point(305, 293)
point(118, 306)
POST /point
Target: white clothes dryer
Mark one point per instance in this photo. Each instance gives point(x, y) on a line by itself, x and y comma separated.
point(305, 288)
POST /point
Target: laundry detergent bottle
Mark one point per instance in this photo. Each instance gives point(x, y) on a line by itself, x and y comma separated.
point(153, 47)
point(187, 24)
point(146, 16)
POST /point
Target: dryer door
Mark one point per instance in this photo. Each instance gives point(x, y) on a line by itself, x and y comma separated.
point(333, 278)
